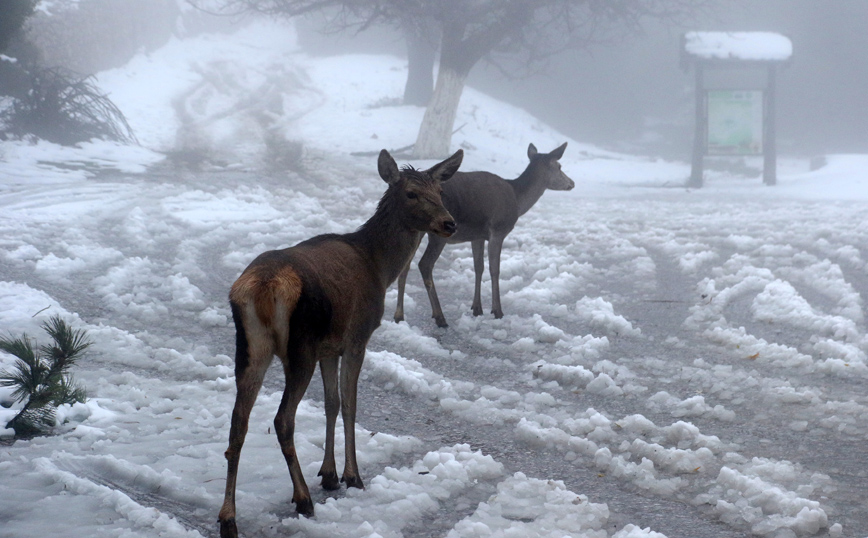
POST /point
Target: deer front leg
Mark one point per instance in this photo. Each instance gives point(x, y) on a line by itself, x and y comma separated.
point(330, 383)
point(351, 366)
point(298, 371)
point(426, 267)
point(402, 282)
point(495, 244)
point(478, 248)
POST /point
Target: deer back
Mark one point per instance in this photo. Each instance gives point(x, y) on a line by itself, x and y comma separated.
point(343, 293)
point(479, 202)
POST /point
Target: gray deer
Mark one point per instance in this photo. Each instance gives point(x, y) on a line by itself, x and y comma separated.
point(318, 302)
point(486, 207)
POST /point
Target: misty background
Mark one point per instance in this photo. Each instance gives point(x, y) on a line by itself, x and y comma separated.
point(628, 95)
point(691, 361)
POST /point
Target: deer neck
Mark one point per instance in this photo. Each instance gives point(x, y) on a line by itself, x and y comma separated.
point(387, 244)
point(529, 188)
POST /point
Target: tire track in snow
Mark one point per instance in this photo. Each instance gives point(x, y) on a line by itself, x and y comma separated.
point(143, 504)
point(680, 309)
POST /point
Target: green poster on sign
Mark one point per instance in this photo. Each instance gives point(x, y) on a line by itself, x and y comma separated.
point(735, 122)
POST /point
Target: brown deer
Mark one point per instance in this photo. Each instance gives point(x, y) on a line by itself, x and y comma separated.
point(318, 301)
point(486, 207)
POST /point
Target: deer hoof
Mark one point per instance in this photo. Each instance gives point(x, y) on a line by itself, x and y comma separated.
point(330, 481)
point(477, 310)
point(228, 529)
point(497, 314)
point(353, 482)
point(441, 322)
point(304, 507)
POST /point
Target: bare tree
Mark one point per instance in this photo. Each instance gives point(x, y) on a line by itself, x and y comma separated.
point(421, 33)
point(422, 38)
point(14, 13)
point(470, 30)
point(534, 30)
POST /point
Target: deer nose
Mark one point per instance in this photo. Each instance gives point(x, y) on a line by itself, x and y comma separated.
point(450, 227)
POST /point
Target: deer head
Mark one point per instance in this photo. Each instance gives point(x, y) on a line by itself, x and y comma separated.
point(556, 180)
point(418, 195)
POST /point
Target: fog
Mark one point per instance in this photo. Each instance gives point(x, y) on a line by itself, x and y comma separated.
point(634, 96)
point(672, 362)
point(630, 94)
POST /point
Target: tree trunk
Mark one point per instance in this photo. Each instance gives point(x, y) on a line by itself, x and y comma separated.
point(420, 74)
point(435, 133)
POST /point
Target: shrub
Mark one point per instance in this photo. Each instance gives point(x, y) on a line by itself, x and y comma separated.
point(65, 108)
point(41, 376)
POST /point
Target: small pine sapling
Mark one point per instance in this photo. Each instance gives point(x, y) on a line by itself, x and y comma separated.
point(41, 376)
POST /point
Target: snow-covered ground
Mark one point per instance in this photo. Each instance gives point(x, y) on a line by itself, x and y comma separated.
point(672, 362)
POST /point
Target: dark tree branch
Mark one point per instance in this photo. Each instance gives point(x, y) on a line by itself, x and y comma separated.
point(535, 29)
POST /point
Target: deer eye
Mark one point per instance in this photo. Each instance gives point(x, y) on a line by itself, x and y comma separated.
point(412, 195)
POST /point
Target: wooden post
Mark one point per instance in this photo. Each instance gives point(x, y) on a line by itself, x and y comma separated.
point(770, 152)
point(701, 134)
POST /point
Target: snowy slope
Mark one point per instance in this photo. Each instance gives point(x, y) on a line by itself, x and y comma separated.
point(672, 362)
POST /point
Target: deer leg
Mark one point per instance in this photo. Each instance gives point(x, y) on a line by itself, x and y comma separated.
point(330, 383)
point(402, 282)
point(478, 248)
point(298, 371)
point(495, 244)
point(351, 366)
point(251, 362)
point(426, 267)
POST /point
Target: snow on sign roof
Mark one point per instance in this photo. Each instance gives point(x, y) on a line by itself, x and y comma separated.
point(746, 46)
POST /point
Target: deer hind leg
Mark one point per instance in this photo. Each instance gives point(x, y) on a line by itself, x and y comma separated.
point(478, 247)
point(426, 267)
point(328, 471)
point(351, 366)
point(298, 371)
point(253, 354)
point(495, 244)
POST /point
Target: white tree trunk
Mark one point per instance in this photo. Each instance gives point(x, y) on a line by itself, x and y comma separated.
point(435, 133)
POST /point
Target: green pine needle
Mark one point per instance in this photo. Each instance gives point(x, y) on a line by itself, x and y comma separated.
point(25, 379)
point(19, 347)
point(69, 343)
point(69, 392)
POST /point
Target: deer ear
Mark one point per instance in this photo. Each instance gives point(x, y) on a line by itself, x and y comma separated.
point(531, 151)
point(387, 168)
point(446, 169)
point(558, 152)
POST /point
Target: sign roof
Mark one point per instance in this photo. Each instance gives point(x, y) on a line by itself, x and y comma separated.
point(738, 46)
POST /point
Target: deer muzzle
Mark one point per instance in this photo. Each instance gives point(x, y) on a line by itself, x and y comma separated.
point(447, 228)
point(565, 183)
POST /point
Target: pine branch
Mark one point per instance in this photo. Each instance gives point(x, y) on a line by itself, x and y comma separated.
point(33, 420)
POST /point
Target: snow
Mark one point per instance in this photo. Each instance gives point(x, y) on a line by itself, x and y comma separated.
point(748, 46)
point(705, 348)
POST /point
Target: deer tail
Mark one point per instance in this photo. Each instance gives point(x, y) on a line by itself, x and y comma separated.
point(262, 305)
